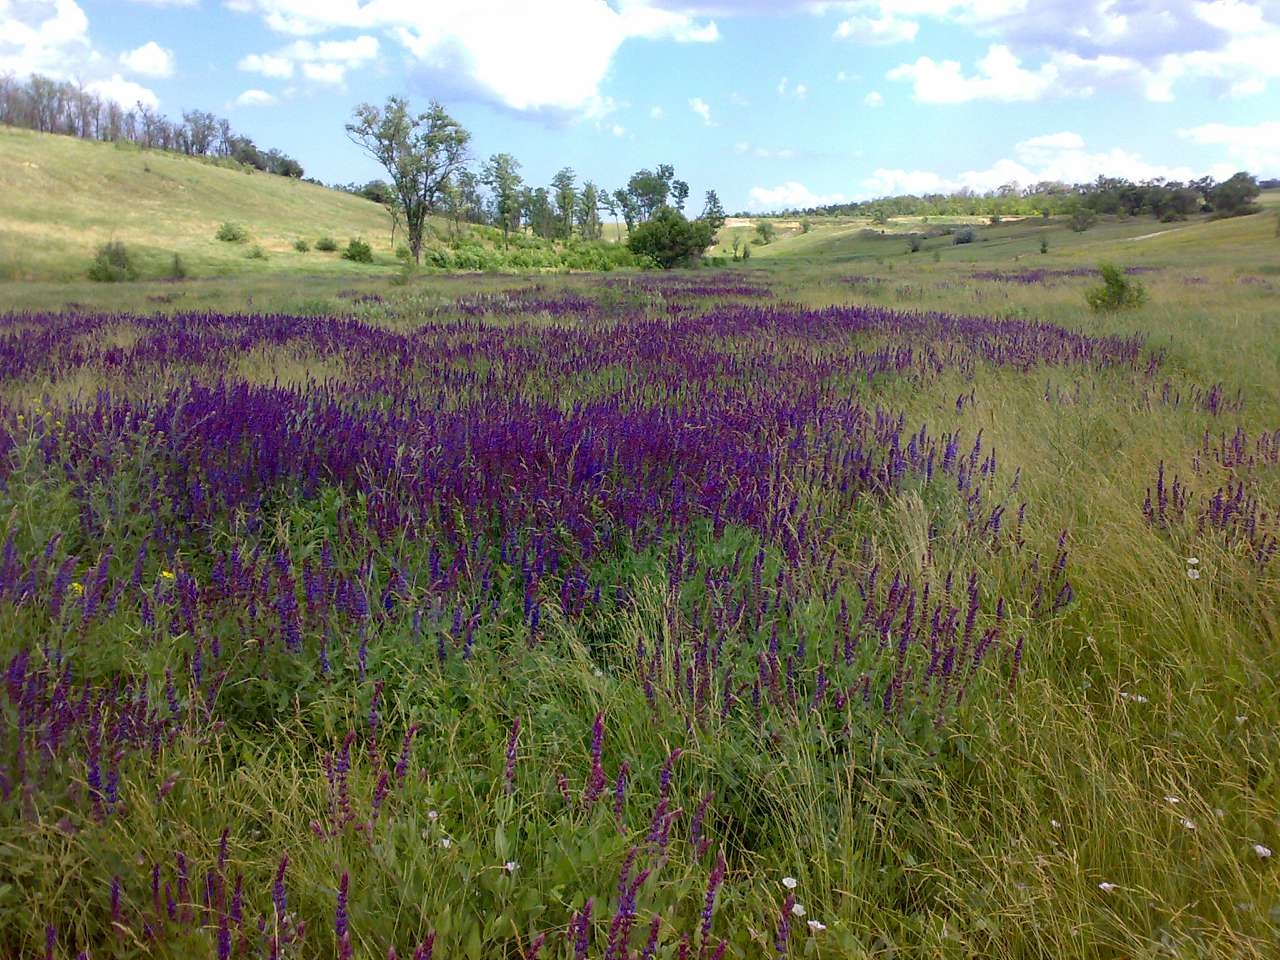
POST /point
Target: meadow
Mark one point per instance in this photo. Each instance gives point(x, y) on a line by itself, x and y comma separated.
point(853, 604)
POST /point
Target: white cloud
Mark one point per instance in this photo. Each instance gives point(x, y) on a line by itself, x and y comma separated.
point(791, 195)
point(168, 3)
point(325, 62)
point(877, 30)
point(841, 76)
point(254, 98)
point(1000, 76)
point(149, 60)
point(618, 130)
point(657, 113)
point(738, 100)
point(124, 92)
point(1256, 148)
point(487, 42)
point(45, 36)
point(267, 64)
point(702, 109)
point(764, 153)
point(873, 99)
point(787, 89)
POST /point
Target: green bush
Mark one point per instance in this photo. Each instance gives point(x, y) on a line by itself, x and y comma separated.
point(964, 235)
point(1044, 244)
point(669, 239)
point(177, 269)
point(1083, 219)
point(232, 233)
point(327, 244)
point(112, 264)
point(256, 252)
point(1118, 292)
point(403, 253)
point(913, 244)
point(301, 245)
point(358, 251)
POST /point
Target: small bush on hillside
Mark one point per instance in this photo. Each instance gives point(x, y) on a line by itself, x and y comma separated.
point(112, 264)
point(177, 269)
point(669, 239)
point(232, 233)
point(1118, 292)
point(964, 235)
point(767, 231)
point(256, 253)
point(1044, 244)
point(403, 253)
point(327, 244)
point(913, 244)
point(301, 245)
point(358, 252)
point(996, 219)
point(1082, 220)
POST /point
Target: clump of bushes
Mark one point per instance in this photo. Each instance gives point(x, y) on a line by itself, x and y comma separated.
point(358, 251)
point(327, 244)
point(301, 245)
point(256, 253)
point(232, 233)
point(913, 244)
point(964, 235)
point(113, 263)
point(1118, 292)
point(177, 269)
point(1083, 219)
point(1044, 244)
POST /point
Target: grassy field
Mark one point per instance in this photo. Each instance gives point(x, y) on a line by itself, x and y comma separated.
point(812, 608)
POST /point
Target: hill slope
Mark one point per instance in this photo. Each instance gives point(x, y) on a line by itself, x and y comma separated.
point(60, 197)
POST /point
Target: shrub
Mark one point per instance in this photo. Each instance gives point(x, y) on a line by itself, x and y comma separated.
point(964, 235)
point(327, 244)
point(301, 245)
point(995, 219)
point(358, 251)
point(766, 230)
point(256, 252)
point(232, 233)
point(1118, 292)
point(403, 253)
point(177, 269)
point(112, 264)
point(913, 244)
point(1083, 219)
point(669, 239)
point(1044, 244)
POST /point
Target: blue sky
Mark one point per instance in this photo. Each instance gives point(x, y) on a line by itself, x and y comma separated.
point(771, 103)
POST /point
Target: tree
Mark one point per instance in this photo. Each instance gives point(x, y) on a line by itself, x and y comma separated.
point(1236, 195)
point(420, 152)
point(626, 204)
point(649, 191)
point(679, 194)
point(565, 194)
point(669, 239)
point(1082, 219)
point(766, 231)
point(502, 176)
point(713, 212)
point(587, 212)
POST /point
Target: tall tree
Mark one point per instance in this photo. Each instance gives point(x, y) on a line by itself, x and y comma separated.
point(624, 203)
point(420, 152)
point(501, 174)
point(713, 211)
point(564, 190)
point(587, 212)
point(679, 194)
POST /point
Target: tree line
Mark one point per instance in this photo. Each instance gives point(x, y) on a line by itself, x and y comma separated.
point(429, 169)
point(1166, 200)
point(59, 106)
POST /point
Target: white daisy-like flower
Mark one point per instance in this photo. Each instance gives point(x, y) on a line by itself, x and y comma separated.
point(817, 926)
point(433, 814)
point(1055, 824)
point(446, 842)
point(790, 882)
point(1189, 824)
point(1261, 851)
point(510, 866)
point(1107, 887)
point(1192, 561)
point(797, 909)
point(1193, 573)
point(1172, 800)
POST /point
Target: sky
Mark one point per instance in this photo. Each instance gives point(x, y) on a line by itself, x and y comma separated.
point(773, 104)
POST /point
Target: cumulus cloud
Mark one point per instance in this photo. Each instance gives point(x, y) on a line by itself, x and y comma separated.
point(43, 37)
point(485, 43)
point(877, 30)
point(1256, 148)
point(791, 195)
point(657, 113)
point(122, 91)
point(999, 76)
point(149, 60)
point(254, 98)
point(325, 62)
point(702, 109)
point(873, 99)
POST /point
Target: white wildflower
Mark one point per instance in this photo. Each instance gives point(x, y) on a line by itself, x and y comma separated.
point(433, 814)
point(510, 866)
point(1107, 887)
point(1261, 851)
point(1055, 824)
point(446, 842)
point(817, 926)
point(790, 882)
point(1192, 561)
point(1172, 800)
point(1189, 824)
point(797, 909)
point(1193, 573)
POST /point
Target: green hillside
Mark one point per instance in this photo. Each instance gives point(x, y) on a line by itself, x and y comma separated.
point(60, 197)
